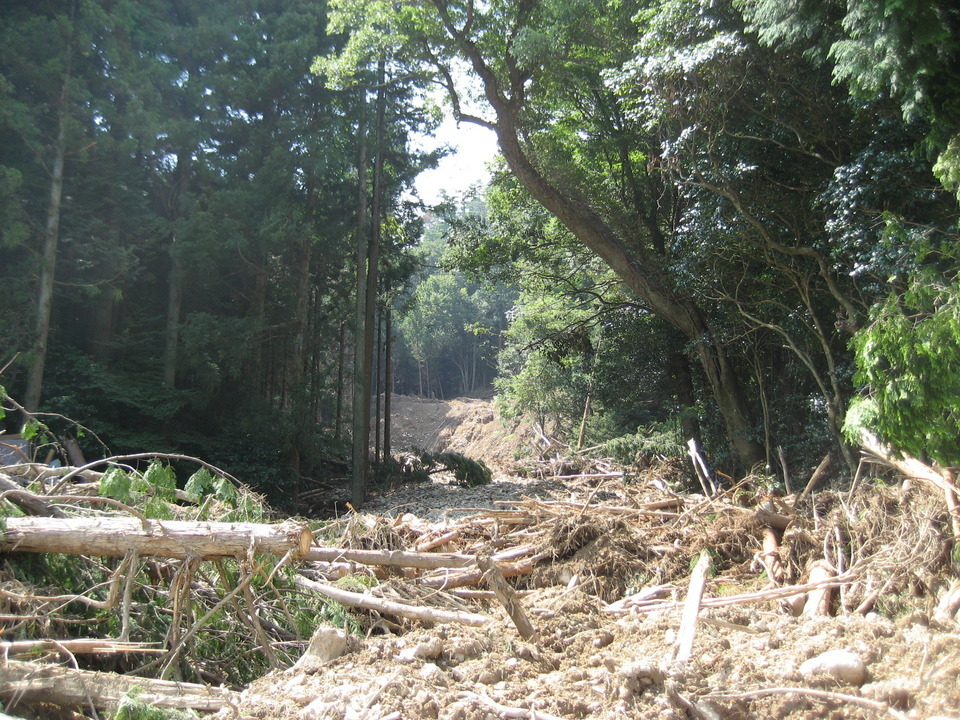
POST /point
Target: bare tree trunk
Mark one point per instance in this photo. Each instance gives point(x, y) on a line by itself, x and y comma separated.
point(388, 386)
point(175, 279)
point(341, 362)
point(48, 261)
point(116, 536)
point(683, 379)
point(35, 682)
point(379, 388)
point(365, 324)
point(361, 377)
point(174, 307)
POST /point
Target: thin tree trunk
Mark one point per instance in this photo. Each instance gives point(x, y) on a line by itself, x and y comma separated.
point(174, 308)
point(175, 279)
point(388, 386)
point(48, 262)
point(341, 362)
point(379, 388)
point(373, 249)
point(683, 379)
point(361, 377)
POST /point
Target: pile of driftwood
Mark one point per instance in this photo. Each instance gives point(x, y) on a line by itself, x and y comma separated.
point(825, 553)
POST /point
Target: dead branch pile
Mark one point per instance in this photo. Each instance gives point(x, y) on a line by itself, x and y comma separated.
point(241, 587)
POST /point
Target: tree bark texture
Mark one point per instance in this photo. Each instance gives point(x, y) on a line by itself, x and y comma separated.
point(388, 386)
point(360, 432)
point(171, 335)
point(116, 536)
point(48, 257)
point(39, 682)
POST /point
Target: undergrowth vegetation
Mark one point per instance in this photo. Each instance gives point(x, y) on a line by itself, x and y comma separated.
point(188, 609)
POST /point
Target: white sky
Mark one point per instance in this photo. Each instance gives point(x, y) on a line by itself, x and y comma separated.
point(474, 147)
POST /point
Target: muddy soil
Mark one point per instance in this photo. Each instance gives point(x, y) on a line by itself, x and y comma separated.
point(593, 657)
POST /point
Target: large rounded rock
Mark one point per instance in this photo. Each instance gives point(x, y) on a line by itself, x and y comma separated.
point(842, 665)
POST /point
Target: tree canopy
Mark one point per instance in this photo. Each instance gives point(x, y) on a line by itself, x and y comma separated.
point(734, 219)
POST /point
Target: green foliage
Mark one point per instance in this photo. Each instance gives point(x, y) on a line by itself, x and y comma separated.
point(225, 490)
point(657, 440)
point(162, 481)
point(468, 472)
point(907, 50)
point(909, 359)
point(116, 484)
point(200, 484)
point(131, 707)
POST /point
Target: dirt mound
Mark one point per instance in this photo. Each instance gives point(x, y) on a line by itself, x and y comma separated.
point(469, 426)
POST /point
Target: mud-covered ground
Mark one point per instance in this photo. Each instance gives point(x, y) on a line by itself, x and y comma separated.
point(893, 618)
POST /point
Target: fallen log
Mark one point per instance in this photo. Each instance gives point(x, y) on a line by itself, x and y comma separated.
point(395, 558)
point(626, 605)
point(117, 536)
point(691, 608)
point(391, 607)
point(76, 646)
point(906, 465)
point(463, 578)
point(27, 501)
point(26, 682)
point(506, 595)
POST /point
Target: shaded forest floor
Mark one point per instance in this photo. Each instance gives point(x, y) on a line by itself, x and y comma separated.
point(842, 604)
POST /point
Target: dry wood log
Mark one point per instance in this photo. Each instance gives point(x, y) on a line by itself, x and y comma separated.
point(390, 607)
point(908, 466)
point(703, 472)
point(25, 500)
point(820, 599)
point(506, 595)
point(462, 578)
point(558, 507)
point(76, 646)
point(817, 476)
point(117, 536)
point(765, 516)
point(770, 557)
point(691, 608)
point(436, 542)
point(28, 682)
point(780, 593)
point(643, 597)
point(394, 558)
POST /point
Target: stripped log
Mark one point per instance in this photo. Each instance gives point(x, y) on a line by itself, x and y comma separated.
point(474, 576)
point(391, 607)
point(506, 595)
point(28, 682)
point(393, 558)
point(76, 646)
point(820, 600)
point(691, 608)
point(27, 501)
point(770, 557)
point(117, 536)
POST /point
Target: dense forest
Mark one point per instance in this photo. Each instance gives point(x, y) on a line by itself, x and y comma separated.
point(728, 220)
